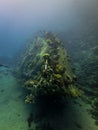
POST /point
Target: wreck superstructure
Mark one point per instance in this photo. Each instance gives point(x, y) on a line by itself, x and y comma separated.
point(45, 70)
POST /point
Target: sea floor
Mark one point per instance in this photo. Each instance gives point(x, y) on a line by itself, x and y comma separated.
point(14, 112)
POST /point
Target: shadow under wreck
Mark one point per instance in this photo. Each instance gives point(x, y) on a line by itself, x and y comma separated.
point(45, 72)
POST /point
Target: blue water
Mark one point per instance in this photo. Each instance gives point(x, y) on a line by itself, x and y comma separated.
point(76, 22)
point(20, 19)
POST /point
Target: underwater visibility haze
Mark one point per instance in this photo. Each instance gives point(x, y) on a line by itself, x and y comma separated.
point(48, 65)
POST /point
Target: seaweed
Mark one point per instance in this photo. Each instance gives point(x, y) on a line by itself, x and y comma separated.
point(45, 70)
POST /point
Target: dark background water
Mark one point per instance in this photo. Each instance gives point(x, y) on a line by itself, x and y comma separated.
point(20, 19)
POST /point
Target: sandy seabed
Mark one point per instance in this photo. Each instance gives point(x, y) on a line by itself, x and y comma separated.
point(14, 112)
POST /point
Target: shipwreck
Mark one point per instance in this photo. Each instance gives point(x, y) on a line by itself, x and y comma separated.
point(45, 71)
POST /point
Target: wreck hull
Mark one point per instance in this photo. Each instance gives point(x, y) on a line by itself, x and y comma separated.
point(45, 70)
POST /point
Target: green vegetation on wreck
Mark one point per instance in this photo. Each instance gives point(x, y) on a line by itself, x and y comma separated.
point(45, 70)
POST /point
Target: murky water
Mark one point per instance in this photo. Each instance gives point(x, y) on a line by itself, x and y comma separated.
point(76, 23)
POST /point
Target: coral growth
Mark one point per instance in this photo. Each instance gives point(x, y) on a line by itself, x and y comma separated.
point(45, 69)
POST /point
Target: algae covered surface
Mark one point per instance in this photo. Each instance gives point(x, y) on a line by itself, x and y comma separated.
point(45, 70)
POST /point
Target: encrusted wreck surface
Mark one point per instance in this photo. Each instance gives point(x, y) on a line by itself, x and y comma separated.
point(45, 70)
